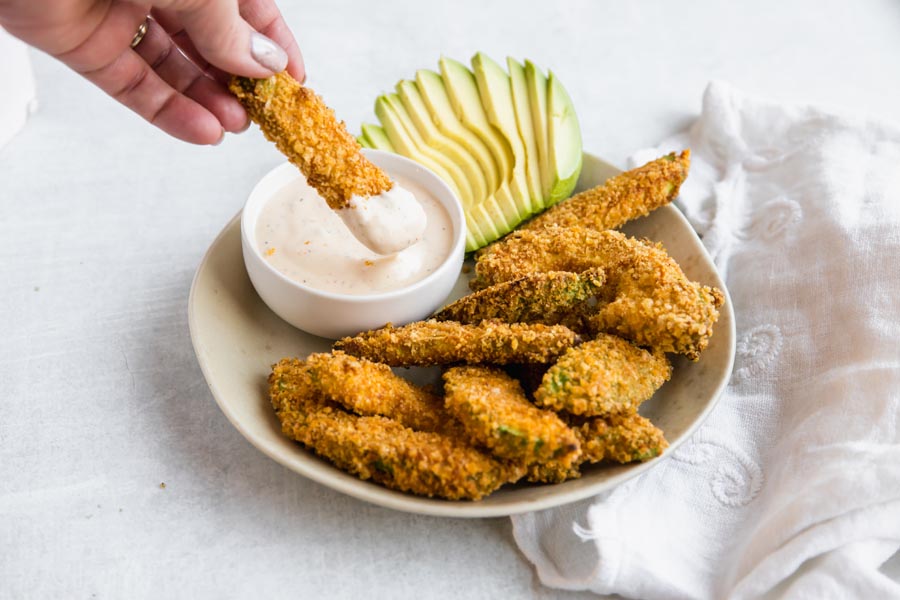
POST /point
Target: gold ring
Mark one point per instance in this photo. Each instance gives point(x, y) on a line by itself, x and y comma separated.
point(140, 33)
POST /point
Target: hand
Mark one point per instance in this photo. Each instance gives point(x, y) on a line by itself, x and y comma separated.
point(176, 75)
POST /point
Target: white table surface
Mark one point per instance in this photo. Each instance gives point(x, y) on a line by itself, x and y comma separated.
point(103, 221)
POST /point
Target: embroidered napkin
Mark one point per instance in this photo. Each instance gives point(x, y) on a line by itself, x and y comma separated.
point(798, 467)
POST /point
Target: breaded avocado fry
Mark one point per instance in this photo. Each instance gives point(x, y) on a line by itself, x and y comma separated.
point(429, 343)
point(621, 438)
point(381, 449)
point(543, 250)
point(306, 131)
point(371, 389)
point(622, 198)
point(647, 297)
point(494, 413)
point(606, 376)
point(546, 298)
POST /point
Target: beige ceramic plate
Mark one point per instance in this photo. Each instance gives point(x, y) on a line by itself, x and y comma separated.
point(237, 338)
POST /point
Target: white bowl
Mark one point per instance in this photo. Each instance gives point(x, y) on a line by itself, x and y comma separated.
point(333, 315)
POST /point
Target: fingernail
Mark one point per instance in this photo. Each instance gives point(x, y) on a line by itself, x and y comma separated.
point(221, 138)
point(267, 53)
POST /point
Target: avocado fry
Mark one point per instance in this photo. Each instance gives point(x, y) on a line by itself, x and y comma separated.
point(622, 198)
point(372, 389)
point(546, 298)
point(623, 438)
point(429, 343)
point(306, 131)
point(381, 449)
point(531, 251)
point(647, 298)
point(494, 413)
point(655, 305)
point(606, 376)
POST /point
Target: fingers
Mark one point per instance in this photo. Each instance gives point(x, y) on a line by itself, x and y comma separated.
point(225, 39)
point(131, 81)
point(172, 24)
point(160, 52)
point(264, 16)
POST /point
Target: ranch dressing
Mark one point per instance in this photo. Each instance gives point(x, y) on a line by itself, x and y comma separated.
point(386, 223)
point(300, 236)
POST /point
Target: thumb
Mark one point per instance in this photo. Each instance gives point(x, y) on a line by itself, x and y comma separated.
point(225, 39)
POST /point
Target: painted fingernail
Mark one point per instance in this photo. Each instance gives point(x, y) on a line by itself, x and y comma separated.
point(267, 53)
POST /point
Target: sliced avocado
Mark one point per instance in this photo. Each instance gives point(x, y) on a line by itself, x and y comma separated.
point(525, 125)
point(495, 217)
point(502, 202)
point(421, 119)
point(564, 139)
point(404, 145)
point(496, 97)
point(462, 90)
point(431, 86)
point(377, 138)
point(456, 172)
point(536, 83)
point(362, 141)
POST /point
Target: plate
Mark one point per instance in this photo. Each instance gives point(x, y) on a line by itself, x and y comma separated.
point(237, 338)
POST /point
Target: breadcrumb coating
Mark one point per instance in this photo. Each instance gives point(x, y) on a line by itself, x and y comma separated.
point(371, 389)
point(381, 449)
point(429, 343)
point(547, 298)
point(623, 438)
point(620, 438)
point(647, 299)
point(307, 132)
point(605, 376)
point(622, 198)
point(495, 413)
point(657, 306)
point(532, 251)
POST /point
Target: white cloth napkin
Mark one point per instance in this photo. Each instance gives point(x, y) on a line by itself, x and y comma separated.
point(18, 98)
point(797, 471)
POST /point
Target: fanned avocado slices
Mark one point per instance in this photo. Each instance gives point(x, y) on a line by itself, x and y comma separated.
point(507, 142)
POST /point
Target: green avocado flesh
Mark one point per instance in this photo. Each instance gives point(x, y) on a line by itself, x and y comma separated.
point(506, 141)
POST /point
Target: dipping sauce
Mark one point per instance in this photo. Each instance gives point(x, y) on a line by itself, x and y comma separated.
point(387, 223)
point(300, 236)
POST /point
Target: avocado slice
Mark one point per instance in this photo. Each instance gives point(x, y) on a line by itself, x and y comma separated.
point(496, 97)
point(452, 167)
point(564, 140)
point(421, 119)
point(536, 83)
point(431, 87)
point(525, 125)
point(396, 122)
point(376, 137)
point(362, 141)
point(462, 90)
point(404, 145)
